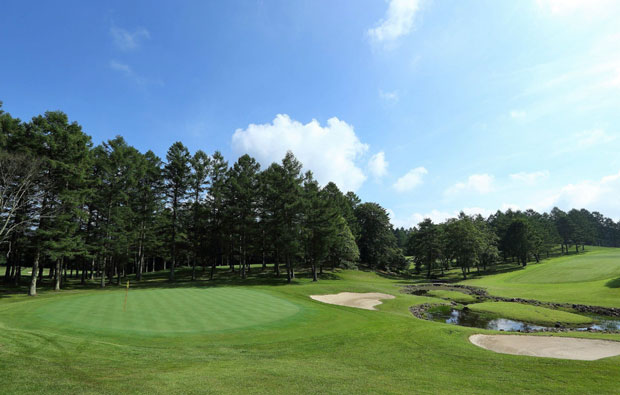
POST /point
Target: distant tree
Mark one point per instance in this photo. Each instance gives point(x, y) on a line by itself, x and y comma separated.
point(488, 253)
point(345, 204)
point(518, 239)
point(149, 189)
point(177, 176)
point(243, 204)
point(565, 227)
point(18, 178)
point(464, 242)
point(290, 210)
point(377, 243)
point(425, 245)
point(216, 204)
point(343, 250)
point(198, 183)
point(320, 224)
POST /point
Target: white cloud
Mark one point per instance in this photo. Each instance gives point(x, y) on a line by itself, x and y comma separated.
point(398, 21)
point(126, 70)
point(389, 96)
point(378, 165)
point(414, 219)
point(530, 178)
point(126, 40)
point(517, 114)
point(330, 151)
point(595, 195)
point(410, 180)
point(479, 183)
point(437, 216)
point(122, 67)
point(589, 138)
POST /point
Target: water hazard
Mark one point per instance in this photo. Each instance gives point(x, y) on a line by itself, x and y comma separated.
point(485, 321)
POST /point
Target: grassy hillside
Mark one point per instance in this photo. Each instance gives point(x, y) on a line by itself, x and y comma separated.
point(265, 337)
point(527, 313)
point(592, 277)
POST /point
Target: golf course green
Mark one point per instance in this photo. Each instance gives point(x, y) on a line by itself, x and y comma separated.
point(223, 336)
point(164, 311)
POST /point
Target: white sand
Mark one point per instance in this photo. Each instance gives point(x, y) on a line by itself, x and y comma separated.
point(366, 301)
point(548, 346)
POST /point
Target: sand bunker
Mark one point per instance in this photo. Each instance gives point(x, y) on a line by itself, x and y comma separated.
point(366, 301)
point(548, 346)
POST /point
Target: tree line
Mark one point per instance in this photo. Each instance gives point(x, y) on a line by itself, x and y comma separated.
point(69, 209)
point(100, 213)
point(470, 242)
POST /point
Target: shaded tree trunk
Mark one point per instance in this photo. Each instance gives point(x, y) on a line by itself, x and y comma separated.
point(57, 275)
point(35, 274)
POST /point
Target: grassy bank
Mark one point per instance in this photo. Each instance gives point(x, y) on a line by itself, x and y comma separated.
point(531, 314)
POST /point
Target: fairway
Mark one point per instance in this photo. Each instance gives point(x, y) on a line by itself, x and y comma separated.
point(164, 311)
point(592, 277)
point(595, 264)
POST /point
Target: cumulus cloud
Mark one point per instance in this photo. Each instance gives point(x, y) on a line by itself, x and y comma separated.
point(478, 183)
point(437, 216)
point(398, 21)
point(596, 195)
point(530, 178)
point(126, 40)
point(410, 180)
point(378, 165)
point(330, 151)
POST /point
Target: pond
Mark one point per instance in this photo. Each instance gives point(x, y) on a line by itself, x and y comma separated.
point(485, 321)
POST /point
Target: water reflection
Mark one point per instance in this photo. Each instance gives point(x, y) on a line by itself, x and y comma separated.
point(477, 320)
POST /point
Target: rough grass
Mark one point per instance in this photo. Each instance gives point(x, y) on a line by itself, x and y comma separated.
point(531, 314)
point(452, 295)
point(592, 277)
point(320, 348)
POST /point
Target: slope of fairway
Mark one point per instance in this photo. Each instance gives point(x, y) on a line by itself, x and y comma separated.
point(593, 265)
point(163, 311)
point(592, 277)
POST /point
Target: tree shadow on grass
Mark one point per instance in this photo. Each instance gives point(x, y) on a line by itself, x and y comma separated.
point(453, 275)
point(615, 283)
point(223, 278)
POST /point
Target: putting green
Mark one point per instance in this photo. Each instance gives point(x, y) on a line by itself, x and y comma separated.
point(165, 311)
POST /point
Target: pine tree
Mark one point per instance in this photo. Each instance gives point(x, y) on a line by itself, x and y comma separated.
point(177, 174)
point(64, 152)
point(242, 186)
point(216, 205)
point(201, 169)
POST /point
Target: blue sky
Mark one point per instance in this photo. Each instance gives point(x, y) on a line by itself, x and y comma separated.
point(426, 107)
